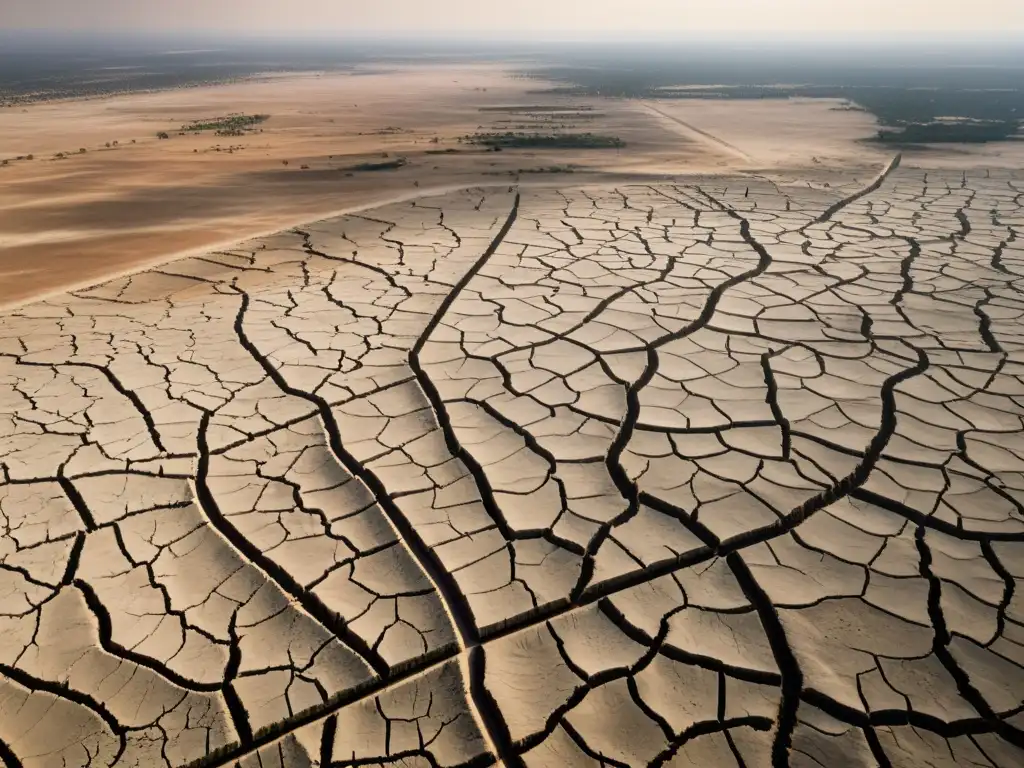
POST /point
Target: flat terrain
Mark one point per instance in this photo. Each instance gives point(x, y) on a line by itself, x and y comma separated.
point(70, 221)
point(720, 471)
point(90, 215)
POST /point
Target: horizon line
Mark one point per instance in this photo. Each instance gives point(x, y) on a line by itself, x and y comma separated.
point(557, 36)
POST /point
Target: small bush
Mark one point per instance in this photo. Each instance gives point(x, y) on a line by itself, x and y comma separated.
point(230, 125)
point(510, 140)
point(162, 135)
point(384, 165)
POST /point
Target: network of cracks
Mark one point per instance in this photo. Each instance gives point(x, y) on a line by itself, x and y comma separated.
point(724, 473)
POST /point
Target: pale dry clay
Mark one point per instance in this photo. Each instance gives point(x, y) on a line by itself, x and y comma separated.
point(720, 473)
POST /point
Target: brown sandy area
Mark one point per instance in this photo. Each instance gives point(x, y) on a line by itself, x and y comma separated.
point(75, 220)
point(797, 134)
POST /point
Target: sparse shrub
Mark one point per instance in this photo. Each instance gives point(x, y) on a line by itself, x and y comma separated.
point(108, 145)
point(30, 157)
point(230, 125)
point(81, 150)
point(303, 167)
point(284, 162)
point(510, 139)
point(383, 165)
point(162, 135)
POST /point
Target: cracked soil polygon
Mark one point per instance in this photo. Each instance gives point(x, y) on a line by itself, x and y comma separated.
point(728, 472)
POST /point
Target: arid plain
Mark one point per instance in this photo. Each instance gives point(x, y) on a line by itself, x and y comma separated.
point(78, 218)
point(708, 453)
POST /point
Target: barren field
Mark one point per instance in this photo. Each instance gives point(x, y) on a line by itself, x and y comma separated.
point(718, 471)
point(89, 215)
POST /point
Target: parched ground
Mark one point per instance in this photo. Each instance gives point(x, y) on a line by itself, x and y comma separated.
point(709, 474)
point(104, 196)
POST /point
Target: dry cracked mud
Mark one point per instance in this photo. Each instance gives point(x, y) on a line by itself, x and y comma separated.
point(728, 472)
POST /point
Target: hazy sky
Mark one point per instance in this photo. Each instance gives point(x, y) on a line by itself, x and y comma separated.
point(516, 18)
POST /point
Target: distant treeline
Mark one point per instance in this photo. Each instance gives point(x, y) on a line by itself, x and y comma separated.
point(537, 108)
point(511, 140)
point(383, 165)
point(230, 125)
point(959, 132)
point(915, 114)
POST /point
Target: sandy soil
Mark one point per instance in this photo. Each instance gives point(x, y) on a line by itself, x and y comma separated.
point(774, 132)
point(795, 134)
point(75, 220)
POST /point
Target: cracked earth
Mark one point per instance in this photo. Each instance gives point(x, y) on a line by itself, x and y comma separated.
point(725, 473)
